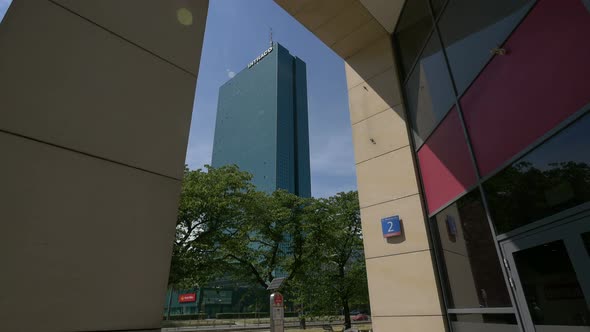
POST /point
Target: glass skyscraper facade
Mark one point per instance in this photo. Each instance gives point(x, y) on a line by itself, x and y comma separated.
point(262, 125)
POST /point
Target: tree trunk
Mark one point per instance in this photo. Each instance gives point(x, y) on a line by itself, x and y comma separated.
point(347, 322)
point(344, 300)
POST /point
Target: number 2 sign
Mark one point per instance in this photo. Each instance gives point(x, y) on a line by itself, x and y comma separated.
point(391, 226)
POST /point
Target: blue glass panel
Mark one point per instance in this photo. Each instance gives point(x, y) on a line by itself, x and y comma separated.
point(4, 4)
point(470, 29)
point(429, 91)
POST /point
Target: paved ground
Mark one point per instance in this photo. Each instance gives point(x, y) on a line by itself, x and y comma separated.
point(290, 326)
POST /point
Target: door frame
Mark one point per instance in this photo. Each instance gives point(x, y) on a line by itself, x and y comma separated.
point(568, 230)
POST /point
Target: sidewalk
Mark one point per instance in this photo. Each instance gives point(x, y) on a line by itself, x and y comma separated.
point(291, 326)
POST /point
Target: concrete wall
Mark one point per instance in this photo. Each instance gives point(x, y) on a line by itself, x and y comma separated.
point(402, 284)
point(96, 101)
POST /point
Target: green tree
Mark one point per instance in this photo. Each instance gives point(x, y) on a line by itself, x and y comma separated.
point(226, 228)
point(211, 206)
point(270, 239)
point(335, 276)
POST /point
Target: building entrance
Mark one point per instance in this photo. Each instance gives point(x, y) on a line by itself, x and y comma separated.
point(549, 270)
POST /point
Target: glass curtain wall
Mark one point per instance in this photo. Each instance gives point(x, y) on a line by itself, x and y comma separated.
point(442, 47)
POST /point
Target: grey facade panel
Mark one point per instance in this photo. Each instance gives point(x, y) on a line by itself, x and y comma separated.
point(285, 122)
point(303, 180)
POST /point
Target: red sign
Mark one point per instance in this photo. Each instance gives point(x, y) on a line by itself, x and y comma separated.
point(278, 298)
point(189, 297)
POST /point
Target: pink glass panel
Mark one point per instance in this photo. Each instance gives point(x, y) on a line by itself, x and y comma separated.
point(543, 79)
point(445, 165)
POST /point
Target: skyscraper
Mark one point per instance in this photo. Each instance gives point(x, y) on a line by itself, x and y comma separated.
point(262, 122)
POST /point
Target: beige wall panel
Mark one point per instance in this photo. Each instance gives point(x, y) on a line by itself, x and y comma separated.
point(350, 19)
point(318, 12)
point(403, 285)
point(293, 6)
point(359, 39)
point(369, 62)
point(71, 83)
point(413, 238)
point(408, 324)
point(85, 244)
point(400, 272)
point(379, 93)
point(385, 178)
point(385, 12)
point(386, 129)
point(172, 29)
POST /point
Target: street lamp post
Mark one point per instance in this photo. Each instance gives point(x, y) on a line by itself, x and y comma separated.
point(277, 307)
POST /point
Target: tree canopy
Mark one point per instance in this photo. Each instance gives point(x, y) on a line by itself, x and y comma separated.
point(227, 229)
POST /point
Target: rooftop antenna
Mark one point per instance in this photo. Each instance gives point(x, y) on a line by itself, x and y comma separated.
point(270, 37)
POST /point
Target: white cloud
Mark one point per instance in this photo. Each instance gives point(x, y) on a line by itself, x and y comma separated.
point(332, 164)
point(325, 190)
point(199, 154)
point(331, 155)
point(230, 73)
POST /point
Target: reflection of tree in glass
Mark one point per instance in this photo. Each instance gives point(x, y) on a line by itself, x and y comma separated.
point(524, 193)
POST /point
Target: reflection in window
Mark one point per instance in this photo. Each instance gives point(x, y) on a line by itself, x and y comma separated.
point(553, 177)
point(474, 277)
point(551, 287)
point(414, 26)
point(437, 6)
point(586, 239)
point(471, 28)
point(4, 4)
point(482, 322)
point(429, 91)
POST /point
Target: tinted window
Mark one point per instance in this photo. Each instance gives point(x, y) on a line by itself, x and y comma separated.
point(550, 285)
point(553, 177)
point(586, 239)
point(437, 6)
point(414, 26)
point(429, 92)
point(471, 28)
point(474, 277)
point(484, 322)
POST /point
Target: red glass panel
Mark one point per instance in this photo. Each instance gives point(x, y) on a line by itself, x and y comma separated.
point(543, 78)
point(445, 165)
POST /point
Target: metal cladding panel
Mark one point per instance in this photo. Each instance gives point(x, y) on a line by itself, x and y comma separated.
point(285, 121)
point(302, 130)
point(245, 129)
point(542, 79)
point(445, 165)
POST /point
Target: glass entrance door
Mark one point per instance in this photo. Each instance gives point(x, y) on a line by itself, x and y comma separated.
point(549, 270)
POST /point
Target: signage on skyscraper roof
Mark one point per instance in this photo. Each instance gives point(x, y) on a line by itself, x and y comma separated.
point(260, 57)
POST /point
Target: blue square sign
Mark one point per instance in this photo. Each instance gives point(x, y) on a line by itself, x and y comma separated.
point(391, 226)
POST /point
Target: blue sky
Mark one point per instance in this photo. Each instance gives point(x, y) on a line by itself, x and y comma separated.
point(3, 7)
point(237, 32)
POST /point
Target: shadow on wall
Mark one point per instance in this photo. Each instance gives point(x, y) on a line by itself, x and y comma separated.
point(398, 239)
